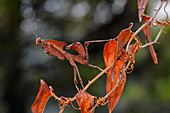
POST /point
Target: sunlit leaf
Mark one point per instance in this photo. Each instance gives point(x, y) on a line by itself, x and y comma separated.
point(123, 37)
point(85, 101)
point(109, 54)
point(141, 8)
point(42, 97)
point(147, 32)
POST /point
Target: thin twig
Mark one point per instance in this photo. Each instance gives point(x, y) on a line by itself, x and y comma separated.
point(127, 47)
point(97, 76)
point(105, 70)
point(56, 98)
point(62, 109)
point(165, 10)
point(143, 26)
point(94, 79)
point(93, 66)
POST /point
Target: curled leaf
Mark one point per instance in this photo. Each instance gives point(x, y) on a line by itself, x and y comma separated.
point(147, 32)
point(123, 37)
point(42, 97)
point(85, 101)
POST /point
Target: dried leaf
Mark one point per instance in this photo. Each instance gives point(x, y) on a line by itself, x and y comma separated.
point(42, 97)
point(124, 36)
point(141, 8)
point(147, 32)
point(113, 98)
point(109, 54)
point(85, 101)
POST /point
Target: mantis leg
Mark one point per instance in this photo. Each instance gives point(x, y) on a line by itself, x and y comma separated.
point(86, 44)
point(90, 65)
point(76, 71)
point(75, 79)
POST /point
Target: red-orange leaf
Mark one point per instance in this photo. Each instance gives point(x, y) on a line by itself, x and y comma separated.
point(85, 101)
point(109, 53)
point(42, 97)
point(124, 36)
point(147, 32)
point(109, 57)
point(141, 8)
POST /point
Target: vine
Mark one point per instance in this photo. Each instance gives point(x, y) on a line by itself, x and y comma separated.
point(118, 62)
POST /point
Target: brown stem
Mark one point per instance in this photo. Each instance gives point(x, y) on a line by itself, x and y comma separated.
point(62, 109)
point(143, 26)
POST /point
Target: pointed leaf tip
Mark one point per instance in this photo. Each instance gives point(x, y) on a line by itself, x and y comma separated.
point(141, 8)
point(41, 98)
point(147, 32)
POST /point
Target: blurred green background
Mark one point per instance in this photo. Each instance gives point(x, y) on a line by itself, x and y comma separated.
point(22, 64)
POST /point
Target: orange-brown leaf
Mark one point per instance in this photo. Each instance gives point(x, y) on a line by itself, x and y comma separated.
point(113, 98)
point(124, 36)
point(42, 97)
point(85, 101)
point(141, 8)
point(109, 54)
point(147, 32)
